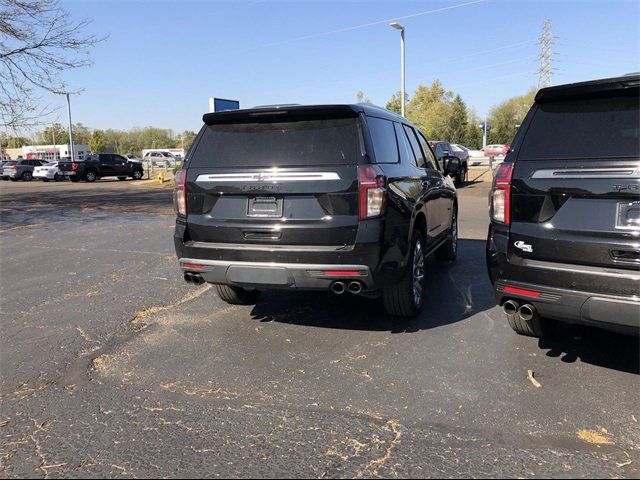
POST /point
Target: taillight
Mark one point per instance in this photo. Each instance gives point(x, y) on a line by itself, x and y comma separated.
point(180, 193)
point(501, 194)
point(372, 192)
point(74, 166)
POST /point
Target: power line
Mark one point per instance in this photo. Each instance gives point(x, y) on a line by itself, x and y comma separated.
point(364, 25)
point(546, 42)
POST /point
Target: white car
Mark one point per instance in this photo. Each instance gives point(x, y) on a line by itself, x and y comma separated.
point(48, 171)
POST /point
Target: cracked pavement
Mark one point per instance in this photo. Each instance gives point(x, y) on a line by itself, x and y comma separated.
point(112, 366)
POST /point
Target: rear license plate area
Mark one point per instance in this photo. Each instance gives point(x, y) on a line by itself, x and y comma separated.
point(628, 215)
point(264, 207)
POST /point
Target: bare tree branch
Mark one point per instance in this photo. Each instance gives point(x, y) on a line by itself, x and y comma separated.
point(38, 43)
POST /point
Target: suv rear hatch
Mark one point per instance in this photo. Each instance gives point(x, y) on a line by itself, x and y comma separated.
point(275, 176)
point(576, 184)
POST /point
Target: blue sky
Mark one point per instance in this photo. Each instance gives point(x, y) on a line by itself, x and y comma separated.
point(164, 59)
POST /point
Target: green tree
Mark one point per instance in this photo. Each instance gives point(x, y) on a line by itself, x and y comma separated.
point(506, 116)
point(81, 134)
point(55, 134)
point(96, 142)
point(456, 121)
point(186, 139)
point(360, 98)
point(394, 105)
point(16, 142)
point(429, 109)
point(472, 132)
point(150, 137)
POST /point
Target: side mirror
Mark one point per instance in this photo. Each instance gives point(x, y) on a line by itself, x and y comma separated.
point(452, 165)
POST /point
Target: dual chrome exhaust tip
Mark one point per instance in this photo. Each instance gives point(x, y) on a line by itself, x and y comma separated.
point(194, 278)
point(352, 287)
point(526, 311)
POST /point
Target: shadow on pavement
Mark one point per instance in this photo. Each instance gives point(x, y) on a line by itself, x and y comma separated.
point(594, 346)
point(96, 196)
point(455, 292)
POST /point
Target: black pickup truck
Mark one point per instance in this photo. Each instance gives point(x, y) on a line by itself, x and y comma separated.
point(101, 165)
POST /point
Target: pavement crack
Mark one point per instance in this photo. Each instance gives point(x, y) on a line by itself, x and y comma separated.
point(43, 466)
point(372, 468)
point(138, 318)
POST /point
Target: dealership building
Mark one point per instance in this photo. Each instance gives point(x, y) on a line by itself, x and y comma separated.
point(48, 152)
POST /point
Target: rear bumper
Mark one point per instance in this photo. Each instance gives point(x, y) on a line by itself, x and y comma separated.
point(608, 298)
point(49, 175)
point(310, 276)
point(604, 311)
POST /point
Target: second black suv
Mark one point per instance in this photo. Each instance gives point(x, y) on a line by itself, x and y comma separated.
point(347, 198)
point(565, 209)
point(96, 166)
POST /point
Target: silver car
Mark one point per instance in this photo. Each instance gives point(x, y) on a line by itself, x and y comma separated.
point(160, 159)
point(460, 151)
point(20, 169)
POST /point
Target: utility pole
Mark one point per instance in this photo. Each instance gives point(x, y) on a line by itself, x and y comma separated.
point(485, 132)
point(73, 157)
point(546, 42)
point(397, 26)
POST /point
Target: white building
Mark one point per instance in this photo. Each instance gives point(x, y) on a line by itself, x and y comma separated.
point(54, 152)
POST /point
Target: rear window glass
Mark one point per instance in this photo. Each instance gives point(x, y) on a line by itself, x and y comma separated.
point(273, 144)
point(587, 128)
point(383, 136)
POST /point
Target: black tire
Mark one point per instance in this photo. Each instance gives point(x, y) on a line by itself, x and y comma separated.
point(538, 326)
point(400, 299)
point(462, 177)
point(74, 178)
point(13, 179)
point(122, 179)
point(45, 179)
point(90, 176)
point(237, 295)
point(137, 174)
point(58, 178)
point(26, 176)
point(449, 250)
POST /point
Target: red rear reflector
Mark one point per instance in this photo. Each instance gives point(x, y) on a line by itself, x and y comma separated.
point(342, 273)
point(194, 266)
point(521, 291)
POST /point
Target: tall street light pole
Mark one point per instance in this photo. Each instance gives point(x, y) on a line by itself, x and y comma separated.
point(397, 26)
point(73, 157)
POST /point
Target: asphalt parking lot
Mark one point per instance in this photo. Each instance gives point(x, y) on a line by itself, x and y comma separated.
point(112, 366)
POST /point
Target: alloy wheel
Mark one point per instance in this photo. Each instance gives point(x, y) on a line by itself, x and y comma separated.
point(454, 231)
point(418, 273)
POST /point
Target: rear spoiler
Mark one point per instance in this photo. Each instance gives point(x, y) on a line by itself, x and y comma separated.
point(268, 114)
point(607, 86)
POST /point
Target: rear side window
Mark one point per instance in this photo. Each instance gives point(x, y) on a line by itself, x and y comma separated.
point(273, 144)
point(420, 161)
point(586, 128)
point(384, 141)
point(431, 158)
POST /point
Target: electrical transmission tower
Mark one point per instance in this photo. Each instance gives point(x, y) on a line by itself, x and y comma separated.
point(546, 42)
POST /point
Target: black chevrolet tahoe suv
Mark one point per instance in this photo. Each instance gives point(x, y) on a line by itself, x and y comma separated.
point(564, 240)
point(96, 166)
point(347, 198)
